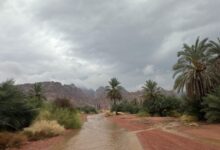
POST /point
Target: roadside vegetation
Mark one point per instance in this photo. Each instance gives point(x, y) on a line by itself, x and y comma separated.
point(88, 110)
point(31, 117)
point(197, 80)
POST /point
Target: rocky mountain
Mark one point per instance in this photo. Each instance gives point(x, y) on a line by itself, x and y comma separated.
point(83, 96)
point(54, 90)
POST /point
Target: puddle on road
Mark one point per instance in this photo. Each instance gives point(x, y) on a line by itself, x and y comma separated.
point(100, 134)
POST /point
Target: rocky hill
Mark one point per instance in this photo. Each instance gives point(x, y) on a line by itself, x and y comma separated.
point(82, 96)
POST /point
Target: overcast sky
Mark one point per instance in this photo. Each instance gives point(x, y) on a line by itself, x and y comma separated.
point(86, 42)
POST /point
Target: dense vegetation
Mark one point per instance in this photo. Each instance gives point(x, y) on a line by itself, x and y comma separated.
point(126, 106)
point(88, 109)
point(197, 73)
point(212, 106)
point(32, 116)
point(197, 78)
point(16, 111)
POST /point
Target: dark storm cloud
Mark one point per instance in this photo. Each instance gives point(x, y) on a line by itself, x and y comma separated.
point(88, 42)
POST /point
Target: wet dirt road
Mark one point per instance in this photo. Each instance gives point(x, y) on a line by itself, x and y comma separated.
point(100, 134)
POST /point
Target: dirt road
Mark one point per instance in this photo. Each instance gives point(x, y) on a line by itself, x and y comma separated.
point(100, 134)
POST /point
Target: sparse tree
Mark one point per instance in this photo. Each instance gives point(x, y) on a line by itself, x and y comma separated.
point(151, 90)
point(114, 90)
point(38, 91)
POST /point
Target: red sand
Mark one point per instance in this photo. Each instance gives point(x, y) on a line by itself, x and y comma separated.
point(157, 139)
point(45, 144)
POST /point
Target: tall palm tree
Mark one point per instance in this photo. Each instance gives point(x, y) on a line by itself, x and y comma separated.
point(215, 52)
point(192, 69)
point(151, 91)
point(215, 48)
point(38, 91)
point(114, 90)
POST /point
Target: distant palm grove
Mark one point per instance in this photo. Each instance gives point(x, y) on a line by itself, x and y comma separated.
point(197, 80)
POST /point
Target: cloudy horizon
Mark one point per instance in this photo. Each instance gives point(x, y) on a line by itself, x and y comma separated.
point(88, 42)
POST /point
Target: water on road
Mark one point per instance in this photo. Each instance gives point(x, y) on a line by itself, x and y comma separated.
point(100, 134)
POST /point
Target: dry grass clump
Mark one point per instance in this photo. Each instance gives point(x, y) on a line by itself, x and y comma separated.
point(43, 129)
point(8, 140)
point(188, 118)
point(108, 114)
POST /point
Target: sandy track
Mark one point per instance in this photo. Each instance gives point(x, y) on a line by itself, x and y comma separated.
point(156, 133)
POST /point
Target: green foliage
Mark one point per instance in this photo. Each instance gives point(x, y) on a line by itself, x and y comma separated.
point(192, 69)
point(162, 106)
point(212, 106)
point(126, 106)
point(113, 91)
point(88, 109)
point(192, 107)
point(16, 112)
point(9, 140)
point(197, 73)
point(151, 91)
point(143, 113)
point(67, 117)
point(38, 93)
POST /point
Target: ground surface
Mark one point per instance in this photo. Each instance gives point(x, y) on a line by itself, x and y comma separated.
point(127, 132)
point(97, 133)
point(156, 133)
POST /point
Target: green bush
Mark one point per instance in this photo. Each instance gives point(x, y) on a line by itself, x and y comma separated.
point(15, 110)
point(88, 110)
point(125, 106)
point(69, 118)
point(212, 106)
point(143, 113)
point(192, 106)
point(162, 106)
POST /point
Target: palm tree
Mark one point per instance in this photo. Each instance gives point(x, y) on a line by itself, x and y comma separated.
point(113, 91)
point(38, 91)
point(151, 91)
point(215, 48)
point(192, 70)
point(215, 52)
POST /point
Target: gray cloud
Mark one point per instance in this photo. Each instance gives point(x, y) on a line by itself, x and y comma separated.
point(88, 42)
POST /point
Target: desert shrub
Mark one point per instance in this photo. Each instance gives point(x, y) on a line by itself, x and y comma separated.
point(66, 117)
point(88, 110)
point(43, 129)
point(188, 118)
point(8, 140)
point(212, 106)
point(63, 102)
point(192, 107)
point(44, 115)
point(108, 114)
point(162, 106)
point(143, 113)
point(125, 106)
point(15, 110)
point(69, 118)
